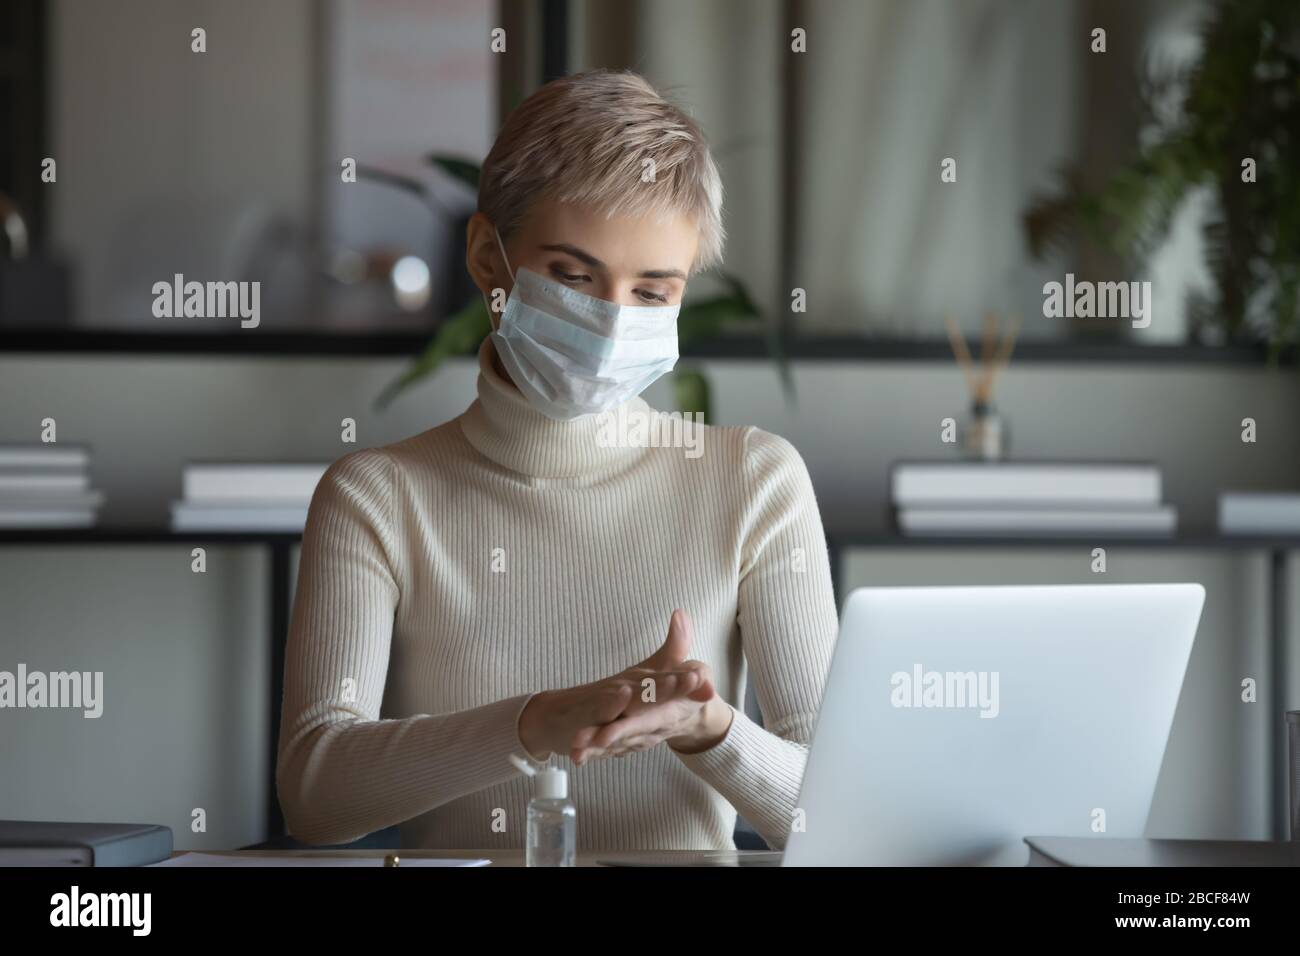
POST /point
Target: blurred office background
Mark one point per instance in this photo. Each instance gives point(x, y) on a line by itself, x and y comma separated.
point(226, 165)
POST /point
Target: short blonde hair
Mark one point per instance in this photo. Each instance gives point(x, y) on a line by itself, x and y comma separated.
point(586, 138)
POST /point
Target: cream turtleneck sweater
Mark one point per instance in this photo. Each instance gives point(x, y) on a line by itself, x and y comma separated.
point(446, 578)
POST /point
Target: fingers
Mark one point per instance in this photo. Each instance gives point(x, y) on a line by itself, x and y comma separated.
point(693, 680)
point(652, 688)
point(602, 704)
point(704, 691)
point(621, 749)
point(637, 731)
point(618, 712)
point(668, 718)
point(582, 711)
point(655, 686)
point(676, 646)
point(648, 727)
point(703, 680)
point(583, 737)
point(624, 713)
point(652, 722)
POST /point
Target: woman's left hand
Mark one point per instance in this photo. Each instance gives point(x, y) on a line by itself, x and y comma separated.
point(687, 724)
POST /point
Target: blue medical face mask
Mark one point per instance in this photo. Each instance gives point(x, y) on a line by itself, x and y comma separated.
point(573, 354)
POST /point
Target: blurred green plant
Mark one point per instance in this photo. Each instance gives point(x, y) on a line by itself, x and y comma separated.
point(463, 332)
point(1239, 100)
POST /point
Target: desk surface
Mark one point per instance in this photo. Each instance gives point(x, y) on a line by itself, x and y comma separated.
point(1094, 851)
point(516, 857)
point(1060, 851)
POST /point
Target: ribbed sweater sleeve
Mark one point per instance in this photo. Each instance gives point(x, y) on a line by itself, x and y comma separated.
point(342, 771)
point(788, 623)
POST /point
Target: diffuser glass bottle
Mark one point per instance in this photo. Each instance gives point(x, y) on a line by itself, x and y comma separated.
point(986, 436)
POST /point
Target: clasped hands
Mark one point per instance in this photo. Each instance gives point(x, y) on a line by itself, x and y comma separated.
point(664, 699)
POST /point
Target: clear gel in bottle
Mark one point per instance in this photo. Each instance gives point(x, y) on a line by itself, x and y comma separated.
point(552, 821)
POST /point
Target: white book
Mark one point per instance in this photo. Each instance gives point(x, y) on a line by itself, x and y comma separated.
point(1259, 512)
point(251, 481)
point(53, 518)
point(43, 455)
point(1029, 522)
point(30, 482)
point(75, 501)
point(209, 516)
point(1025, 483)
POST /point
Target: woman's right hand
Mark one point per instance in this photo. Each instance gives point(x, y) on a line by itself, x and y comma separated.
point(554, 718)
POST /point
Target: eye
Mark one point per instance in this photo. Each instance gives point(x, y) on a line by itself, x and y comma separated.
point(649, 296)
point(568, 277)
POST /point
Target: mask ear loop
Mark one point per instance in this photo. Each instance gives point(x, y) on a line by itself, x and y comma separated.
point(509, 271)
point(502, 247)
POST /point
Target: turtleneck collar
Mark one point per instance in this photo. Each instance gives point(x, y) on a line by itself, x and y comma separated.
point(503, 426)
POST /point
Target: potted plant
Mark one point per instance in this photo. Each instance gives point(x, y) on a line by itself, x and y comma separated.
point(1236, 130)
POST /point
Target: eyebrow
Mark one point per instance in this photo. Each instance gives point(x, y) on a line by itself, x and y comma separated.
point(584, 256)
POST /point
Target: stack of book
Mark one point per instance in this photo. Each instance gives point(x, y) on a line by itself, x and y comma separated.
point(1029, 498)
point(1265, 513)
point(245, 496)
point(39, 843)
point(47, 486)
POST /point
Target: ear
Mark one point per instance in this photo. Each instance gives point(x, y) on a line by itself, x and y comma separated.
point(483, 261)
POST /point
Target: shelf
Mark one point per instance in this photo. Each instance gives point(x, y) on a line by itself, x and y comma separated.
point(140, 535)
point(1189, 539)
point(252, 342)
point(882, 539)
point(838, 348)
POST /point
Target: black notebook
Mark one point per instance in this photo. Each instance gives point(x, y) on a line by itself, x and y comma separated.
point(1109, 851)
point(39, 843)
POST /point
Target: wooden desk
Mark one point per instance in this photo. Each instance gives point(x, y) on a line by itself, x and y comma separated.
point(516, 857)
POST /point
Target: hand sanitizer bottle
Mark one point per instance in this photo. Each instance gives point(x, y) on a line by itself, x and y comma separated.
point(552, 821)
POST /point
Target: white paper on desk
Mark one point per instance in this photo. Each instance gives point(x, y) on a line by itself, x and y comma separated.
point(217, 859)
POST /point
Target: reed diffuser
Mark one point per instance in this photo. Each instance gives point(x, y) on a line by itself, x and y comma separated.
point(986, 436)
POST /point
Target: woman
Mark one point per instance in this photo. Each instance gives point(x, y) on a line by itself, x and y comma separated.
point(515, 582)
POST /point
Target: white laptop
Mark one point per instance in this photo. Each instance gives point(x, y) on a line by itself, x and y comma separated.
point(957, 721)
